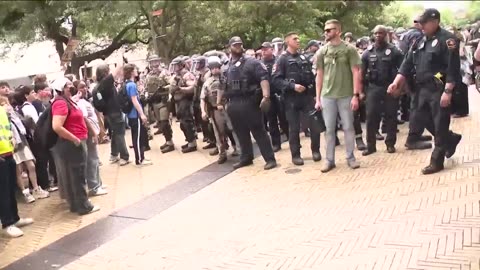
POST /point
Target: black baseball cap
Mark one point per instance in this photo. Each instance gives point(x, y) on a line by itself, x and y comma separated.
point(429, 14)
point(266, 44)
point(235, 40)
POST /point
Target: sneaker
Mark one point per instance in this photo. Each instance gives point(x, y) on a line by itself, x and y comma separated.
point(99, 192)
point(123, 162)
point(28, 197)
point(13, 231)
point(94, 209)
point(52, 189)
point(114, 160)
point(39, 193)
point(353, 164)
point(24, 222)
point(144, 163)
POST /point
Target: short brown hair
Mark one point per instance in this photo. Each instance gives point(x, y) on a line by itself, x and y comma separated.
point(128, 71)
point(290, 34)
point(335, 22)
point(40, 78)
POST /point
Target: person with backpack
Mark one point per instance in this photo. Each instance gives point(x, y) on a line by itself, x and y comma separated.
point(105, 100)
point(129, 99)
point(9, 218)
point(23, 155)
point(70, 148)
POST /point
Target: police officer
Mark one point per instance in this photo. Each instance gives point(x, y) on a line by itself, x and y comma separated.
point(214, 108)
point(200, 70)
point(436, 64)
point(348, 37)
point(275, 116)
point(246, 77)
point(293, 76)
point(312, 48)
point(182, 86)
point(156, 84)
point(380, 64)
point(277, 44)
point(415, 139)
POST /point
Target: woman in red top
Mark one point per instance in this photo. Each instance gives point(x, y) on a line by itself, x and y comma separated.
point(70, 151)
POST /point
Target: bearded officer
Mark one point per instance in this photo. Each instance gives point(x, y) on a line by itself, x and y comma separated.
point(246, 77)
point(380, 64)
point(436, 64)
point(182, 87)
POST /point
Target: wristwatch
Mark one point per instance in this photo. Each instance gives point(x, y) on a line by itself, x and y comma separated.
point(447, 91)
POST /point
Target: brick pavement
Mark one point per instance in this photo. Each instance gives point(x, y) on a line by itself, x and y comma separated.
point(386, 215)
point(126, 185)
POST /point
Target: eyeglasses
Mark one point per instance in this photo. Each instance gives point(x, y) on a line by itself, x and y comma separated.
point(328, 30)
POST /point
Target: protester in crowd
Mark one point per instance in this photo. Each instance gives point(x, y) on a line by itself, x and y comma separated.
point(23, 155)
point(94, 181)
point(9, 218)
point(70, 151)
point(136, 118)
point(113, 114)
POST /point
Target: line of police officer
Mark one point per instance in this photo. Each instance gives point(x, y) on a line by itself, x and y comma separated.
point(282, 85)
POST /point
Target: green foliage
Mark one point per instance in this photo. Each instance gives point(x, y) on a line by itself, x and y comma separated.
point(185, 27)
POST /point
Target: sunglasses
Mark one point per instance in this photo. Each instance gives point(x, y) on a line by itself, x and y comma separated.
point(328, 30)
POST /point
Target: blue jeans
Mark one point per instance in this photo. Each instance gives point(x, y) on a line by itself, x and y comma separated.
point(331, 108)
point(93, 166)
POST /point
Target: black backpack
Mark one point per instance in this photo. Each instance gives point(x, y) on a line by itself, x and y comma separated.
point(44, 136)
point(124, 100)
point(98, 101)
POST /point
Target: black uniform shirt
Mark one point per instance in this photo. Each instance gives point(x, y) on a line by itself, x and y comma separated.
point(292, 65)
point(438, 54)
point(381, 64)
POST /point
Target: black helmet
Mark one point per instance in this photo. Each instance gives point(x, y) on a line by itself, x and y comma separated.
point(198, 63)
point(178, 61)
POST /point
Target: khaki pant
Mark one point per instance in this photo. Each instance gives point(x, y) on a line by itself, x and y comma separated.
point(221, 126)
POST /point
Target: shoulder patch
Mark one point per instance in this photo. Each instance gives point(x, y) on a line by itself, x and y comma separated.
point(451, 44)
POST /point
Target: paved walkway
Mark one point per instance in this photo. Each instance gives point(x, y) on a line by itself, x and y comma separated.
point(126, 185)
point(385, 215)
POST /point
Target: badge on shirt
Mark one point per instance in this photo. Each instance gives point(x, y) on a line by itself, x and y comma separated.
point(263, 66)
point(238, 64)
point(302, 57)
point(387, 52)
point(421, 45)
point(434, 43)
point(451, 44)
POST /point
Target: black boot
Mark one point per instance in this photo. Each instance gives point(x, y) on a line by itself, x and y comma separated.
point(190, 148)
point(391, 149)
point(167, 148)
point(418, 145)
point(432, 168)
point(369, 151)
point(360, 144)
point(452, 147)
point(270, 165)
point(222, 158)
point(316, 156)
point(209, 146)
point(297, 161)
point(214, 152)
point(241, 164)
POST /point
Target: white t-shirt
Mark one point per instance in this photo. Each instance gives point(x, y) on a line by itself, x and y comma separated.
point(89, 114)
point(29, 110)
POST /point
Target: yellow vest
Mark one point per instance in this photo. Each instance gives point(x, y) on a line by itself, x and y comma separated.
point(6, 145)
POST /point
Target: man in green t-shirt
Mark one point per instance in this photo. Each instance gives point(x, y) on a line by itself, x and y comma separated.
point(338, 87)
